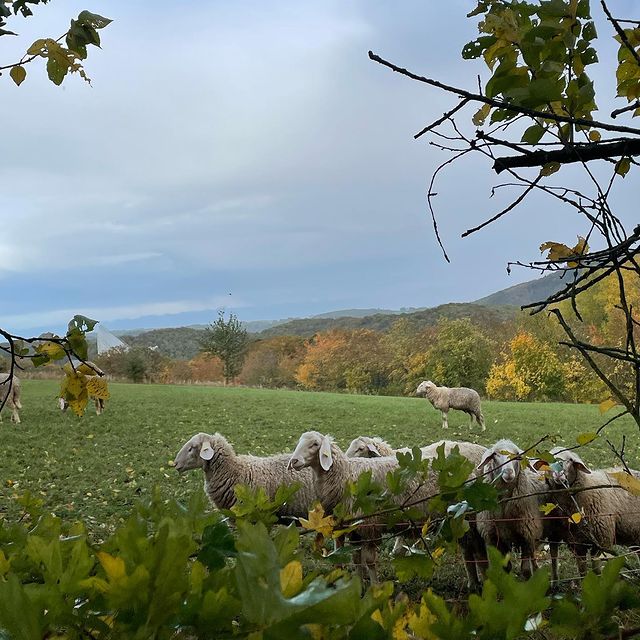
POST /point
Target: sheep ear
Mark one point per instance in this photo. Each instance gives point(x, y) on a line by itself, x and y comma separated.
point(373, 450)
point(581, 466)
point(206, 452)
point(486, 458)
point(326, 460)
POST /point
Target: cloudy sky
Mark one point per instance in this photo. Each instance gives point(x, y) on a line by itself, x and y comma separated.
point(249, 155)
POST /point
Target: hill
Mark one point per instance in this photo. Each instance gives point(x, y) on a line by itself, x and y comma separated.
point(484, 315)
point(181, 343)
point(525, 293)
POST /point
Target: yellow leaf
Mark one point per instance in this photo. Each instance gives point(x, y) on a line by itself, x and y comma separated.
point(547, 508)
point(318, 522)
point(95, 583)
point(113, 567)
point(51, 349)
point(376, 616)
point(575, 517)
point(98, 388)
point(607, 404)
point(315, 630)
point(628, 482)
point(291, 579)
point(557, 250)
point(437, 553)
point(586, 438)
point(594, 135)
point(5, 565)
point(481, 115)
point(86, 370)
point(18, 74)
point(421, 622)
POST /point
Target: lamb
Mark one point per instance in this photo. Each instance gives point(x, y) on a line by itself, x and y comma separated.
point(366, 447)
point(609, 514)
point(517, 522)
point(445, 398)
point(333, 470)
point(10, 390)
point(224, 469)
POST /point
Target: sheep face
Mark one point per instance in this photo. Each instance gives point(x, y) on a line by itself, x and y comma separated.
point(501, 463)
point(194, 453)
point(313, 450)
point(363, 447)
point(564, 472)
point(423, 386)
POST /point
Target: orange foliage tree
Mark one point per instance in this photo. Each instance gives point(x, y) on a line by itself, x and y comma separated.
point(273, 362)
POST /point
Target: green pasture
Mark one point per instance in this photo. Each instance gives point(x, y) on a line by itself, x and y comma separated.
point(94, 467)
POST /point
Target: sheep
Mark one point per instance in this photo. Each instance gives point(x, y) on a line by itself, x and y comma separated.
point(10, 391)
point(333, 470)
point(366, 447)
point(517, 522)
point(224, 469)
point(609, 514)
point(445, 398)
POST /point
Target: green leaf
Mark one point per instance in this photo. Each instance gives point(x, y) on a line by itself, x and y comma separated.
point(533, 134)
point(93, 19)
point(481, 115)
point(18, 74)
point(217, 545)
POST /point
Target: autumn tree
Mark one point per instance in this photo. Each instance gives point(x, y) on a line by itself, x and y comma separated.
point(228, 340)
point(459, 355)
point(531, 117)
point(273, 362)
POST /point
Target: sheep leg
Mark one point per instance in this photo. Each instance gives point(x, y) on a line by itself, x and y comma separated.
point(398, 548)
point(474, 583)
point(445, 420)
point(553, 552)
point(15, 416)
point(581, 560)
point(480, 419)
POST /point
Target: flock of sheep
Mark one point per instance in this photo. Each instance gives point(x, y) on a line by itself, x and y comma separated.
point(592, 511)
point(608, 514)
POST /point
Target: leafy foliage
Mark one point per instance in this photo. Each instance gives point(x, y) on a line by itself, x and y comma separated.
point(228, 340)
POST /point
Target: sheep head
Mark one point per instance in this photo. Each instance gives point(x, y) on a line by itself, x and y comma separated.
point(313, 450)
point(364, 447)
point(564, 472)
point(195, 452)
point(423, 386)
point(502, 462)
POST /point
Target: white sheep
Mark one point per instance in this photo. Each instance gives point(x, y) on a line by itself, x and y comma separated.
point(333, 470)
point(518, 521)
point(609, 514)
point(445, 398)
point(367, 447)
point(10, 390)
point(224, 469)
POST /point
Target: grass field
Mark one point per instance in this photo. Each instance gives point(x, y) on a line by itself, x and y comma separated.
point(95, 467)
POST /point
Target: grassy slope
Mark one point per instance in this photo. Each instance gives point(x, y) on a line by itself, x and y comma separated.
point(94, 467)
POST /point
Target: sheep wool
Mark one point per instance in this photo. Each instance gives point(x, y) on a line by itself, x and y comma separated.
point(224, 469)
point(445, 398)
point(11, 392)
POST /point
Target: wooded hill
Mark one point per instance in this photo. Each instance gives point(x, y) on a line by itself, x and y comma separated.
point(489, 312)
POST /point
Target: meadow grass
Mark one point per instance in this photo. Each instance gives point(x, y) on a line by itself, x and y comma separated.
point(93, 468)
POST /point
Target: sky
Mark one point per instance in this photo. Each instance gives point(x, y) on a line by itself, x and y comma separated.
point(249, 156)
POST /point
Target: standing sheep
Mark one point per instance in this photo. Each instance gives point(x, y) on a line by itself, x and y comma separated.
point(10, 391)
point(224, 469)
point(609, 513)
point(445, 398)
point(518, 521)
point(333, 470)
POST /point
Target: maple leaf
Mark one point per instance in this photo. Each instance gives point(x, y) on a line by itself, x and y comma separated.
point(318, 521)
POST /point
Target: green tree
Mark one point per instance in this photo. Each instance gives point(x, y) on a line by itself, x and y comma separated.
point(460, 355)
point(228, 340)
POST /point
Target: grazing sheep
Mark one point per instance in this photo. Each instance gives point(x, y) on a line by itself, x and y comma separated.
point(224, 469)
point(333, 470)
point(445, 398)
point(366, 447)
point(517, 522)
point(10, 389)
point(609, 514)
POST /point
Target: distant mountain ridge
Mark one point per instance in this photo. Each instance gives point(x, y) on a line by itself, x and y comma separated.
point(491, 311)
